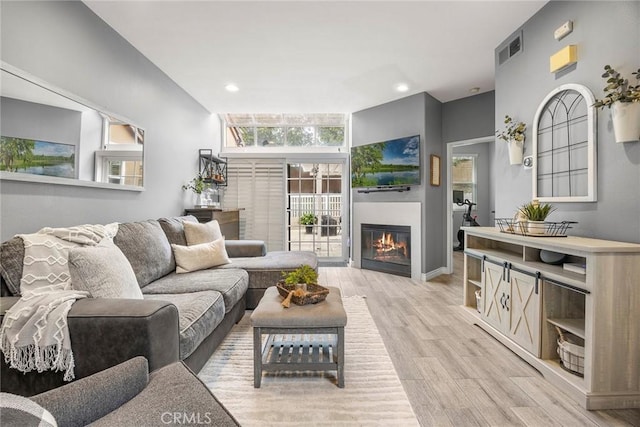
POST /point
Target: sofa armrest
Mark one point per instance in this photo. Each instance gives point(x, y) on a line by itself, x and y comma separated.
point(105, 332)
point(245, 248)
point(88, 399)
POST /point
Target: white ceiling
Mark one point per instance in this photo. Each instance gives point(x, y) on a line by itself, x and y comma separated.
point(318, 56)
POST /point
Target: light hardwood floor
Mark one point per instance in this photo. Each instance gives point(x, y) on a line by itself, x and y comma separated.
point(454, 373)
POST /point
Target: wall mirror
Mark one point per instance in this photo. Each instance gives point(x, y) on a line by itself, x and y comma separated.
point(564, 146)
point(49, 135)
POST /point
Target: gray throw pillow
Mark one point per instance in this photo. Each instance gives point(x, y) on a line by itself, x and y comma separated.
point(146, 247)
point(103, 271)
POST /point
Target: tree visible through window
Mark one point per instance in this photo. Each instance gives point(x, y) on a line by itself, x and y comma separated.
point(285, 130)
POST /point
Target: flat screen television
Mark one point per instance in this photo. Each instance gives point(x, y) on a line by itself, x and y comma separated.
point(393, 163)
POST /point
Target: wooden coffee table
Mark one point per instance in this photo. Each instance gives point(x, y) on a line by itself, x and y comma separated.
point(299, 338)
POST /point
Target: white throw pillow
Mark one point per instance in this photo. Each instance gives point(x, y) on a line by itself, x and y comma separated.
point(104, 271)
point(200, 257)
point(197, 233)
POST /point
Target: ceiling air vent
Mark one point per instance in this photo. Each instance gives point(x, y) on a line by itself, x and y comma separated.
point(510, 48)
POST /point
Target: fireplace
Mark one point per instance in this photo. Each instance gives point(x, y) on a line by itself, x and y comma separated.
point(386, 248)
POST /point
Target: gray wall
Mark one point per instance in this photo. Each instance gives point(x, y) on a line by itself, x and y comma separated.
point(606, 33)
point(419, 114)
point(67, 45)
point(468, 118)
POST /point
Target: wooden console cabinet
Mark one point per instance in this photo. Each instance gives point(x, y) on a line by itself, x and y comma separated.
point(523, 300)
point(229, 220)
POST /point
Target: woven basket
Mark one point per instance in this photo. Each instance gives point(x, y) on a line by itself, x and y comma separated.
point(571, 353)
point(315, 293)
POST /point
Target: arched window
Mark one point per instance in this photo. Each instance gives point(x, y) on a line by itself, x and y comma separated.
point(564, 146)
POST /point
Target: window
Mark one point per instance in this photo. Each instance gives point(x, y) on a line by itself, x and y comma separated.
point(285, 130)
point(121, 160)
point(464, 177)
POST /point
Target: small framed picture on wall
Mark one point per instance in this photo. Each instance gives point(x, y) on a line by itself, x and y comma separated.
point(435, 170)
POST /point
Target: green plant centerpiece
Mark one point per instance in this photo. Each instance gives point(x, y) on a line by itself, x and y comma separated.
point(303, 274)
point(301, 287)
point(623, 98)
point(513, 133)
point(308, 219)
point(535, 214)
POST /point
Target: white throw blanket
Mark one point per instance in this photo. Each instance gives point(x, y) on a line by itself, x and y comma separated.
point(34, 333)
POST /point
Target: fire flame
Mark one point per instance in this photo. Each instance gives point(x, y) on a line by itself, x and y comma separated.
point(387, 244)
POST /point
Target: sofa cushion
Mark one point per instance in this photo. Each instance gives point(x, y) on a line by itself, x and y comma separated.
point(200, 257)
point(11, 260)
point(103, 271)
point(198, 315)
point(174, 396)
point(267, 270)
point(197, 233)
point(146, 247)
point(232, 283)
point(174, 229)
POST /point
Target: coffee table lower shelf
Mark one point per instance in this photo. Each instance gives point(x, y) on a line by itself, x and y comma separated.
point(298, 349)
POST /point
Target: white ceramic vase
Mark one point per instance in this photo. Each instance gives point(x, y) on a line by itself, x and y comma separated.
point(536, 227)
point(516, 151)
point(626, 121)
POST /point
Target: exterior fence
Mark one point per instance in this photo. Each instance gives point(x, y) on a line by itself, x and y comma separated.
point(318, 204)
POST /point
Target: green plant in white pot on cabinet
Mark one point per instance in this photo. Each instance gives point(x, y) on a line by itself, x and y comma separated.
point(513, 135)
point(623, 99)
point(535, 214)
point(197, 185)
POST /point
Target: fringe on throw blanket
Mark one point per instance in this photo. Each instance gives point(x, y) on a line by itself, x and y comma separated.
point(34, 333)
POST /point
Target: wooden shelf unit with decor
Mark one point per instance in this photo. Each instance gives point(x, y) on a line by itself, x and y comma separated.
point(524, 300)
point(229, 219)
point(212, 168)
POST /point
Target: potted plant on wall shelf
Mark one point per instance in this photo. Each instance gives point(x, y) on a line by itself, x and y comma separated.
point(535, 214)
point(196, 185)
point(624, 101)
point(513, 134)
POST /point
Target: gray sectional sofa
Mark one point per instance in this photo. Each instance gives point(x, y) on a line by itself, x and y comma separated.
point(182, 316)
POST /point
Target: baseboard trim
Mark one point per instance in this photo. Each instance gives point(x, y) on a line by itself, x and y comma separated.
point(434, 273)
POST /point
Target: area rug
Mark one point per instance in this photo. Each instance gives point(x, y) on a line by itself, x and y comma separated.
point(373, 394)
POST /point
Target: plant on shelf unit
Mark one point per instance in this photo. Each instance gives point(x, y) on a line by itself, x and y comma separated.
point(513, 134)
point(624, 101)
point(535, 214)
point(303, 274)
point(196, 184)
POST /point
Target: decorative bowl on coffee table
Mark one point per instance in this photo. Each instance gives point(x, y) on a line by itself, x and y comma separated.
point(314, 293)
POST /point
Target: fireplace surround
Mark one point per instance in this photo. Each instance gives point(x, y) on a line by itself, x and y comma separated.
point(386, 248)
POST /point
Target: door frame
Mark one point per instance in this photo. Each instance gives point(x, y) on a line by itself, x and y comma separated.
point(345, 224)
point(449, 198)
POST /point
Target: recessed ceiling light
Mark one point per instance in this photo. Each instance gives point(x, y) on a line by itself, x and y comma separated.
point(474, 90)
point(232, 87)
point(402, 87)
